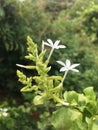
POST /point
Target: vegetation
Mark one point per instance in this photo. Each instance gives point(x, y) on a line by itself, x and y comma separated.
point(70, 110)
point(17, 117)
point(75, 24)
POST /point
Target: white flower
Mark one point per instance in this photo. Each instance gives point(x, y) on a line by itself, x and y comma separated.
point(3, 112)
point(5, 109)
point(67, 66)
point(53, 45)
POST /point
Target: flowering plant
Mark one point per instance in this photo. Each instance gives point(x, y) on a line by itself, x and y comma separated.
point(71, 110)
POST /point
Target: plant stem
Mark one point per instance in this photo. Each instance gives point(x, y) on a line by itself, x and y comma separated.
point(64, 76)
point(50, 54)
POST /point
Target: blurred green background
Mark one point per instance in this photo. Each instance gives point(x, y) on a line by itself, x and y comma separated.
point(73, 22)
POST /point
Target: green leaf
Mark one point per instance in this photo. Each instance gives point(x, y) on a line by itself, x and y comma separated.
point(95, 123)
point(64, 118)
point(92, 123)
point(71, 97)
point(82, 100)
point(95, 127)
point(89, 92)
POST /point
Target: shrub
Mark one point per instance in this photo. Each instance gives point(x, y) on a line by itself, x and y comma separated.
point(17, 117)
point(17, 20)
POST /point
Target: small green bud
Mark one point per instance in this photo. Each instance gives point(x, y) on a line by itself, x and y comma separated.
point(38, 100)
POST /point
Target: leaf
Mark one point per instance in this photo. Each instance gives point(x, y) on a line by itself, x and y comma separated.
point(82, 101)
point(95, 124)
point(63, 118)
point(71, 97)
point(92, 123)
point(89, 92)
point(89, 122)
point(95, 127)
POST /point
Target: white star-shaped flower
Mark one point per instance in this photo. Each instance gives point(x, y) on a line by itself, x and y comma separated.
point(53, 45)
point(67, 66)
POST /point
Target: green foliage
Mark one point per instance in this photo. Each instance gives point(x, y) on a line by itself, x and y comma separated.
point(76, 27)
point(67, 119)
point(45, 121)
point(73, 22)
point(22, 19)
point(17, 20)
point(83, 112)
point(17, 117)
point(46, 86)
point(80, 115)
point(70, 109)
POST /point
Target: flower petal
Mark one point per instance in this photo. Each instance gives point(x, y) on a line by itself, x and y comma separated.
point(63, 69)
point(56, 43)
point(61, 63)
point(61, 46)
point(75, 70)
point(50, 42)
point(74, 65)
point(45, 43)
point(68, 63)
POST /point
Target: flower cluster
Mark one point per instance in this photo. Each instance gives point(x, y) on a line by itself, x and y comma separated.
point(67, 65)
